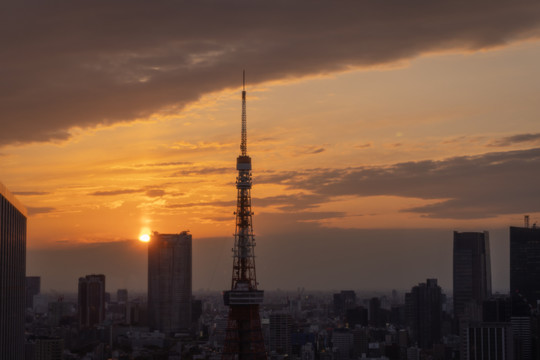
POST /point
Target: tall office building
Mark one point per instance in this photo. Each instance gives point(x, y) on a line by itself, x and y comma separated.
point(489, 341)
point(525, 265)
point(12, 275)
point(91, 300)
point(169, 282)
point(375, 315)
point(342, 344)
point(424, 313)
point(343, 301)
point(33, 287)
point(472, 270)
point(281, 333)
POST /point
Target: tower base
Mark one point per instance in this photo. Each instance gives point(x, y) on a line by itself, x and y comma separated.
point(243, 337)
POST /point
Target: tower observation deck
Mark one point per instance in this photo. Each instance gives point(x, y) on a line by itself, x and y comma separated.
point(243, 337)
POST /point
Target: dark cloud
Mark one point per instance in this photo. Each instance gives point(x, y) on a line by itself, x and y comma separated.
point(72, 63)
point(270, 177)
point(226, 203)
point(164, 164)
point(294, 202)
point(150, 192)
point(468, 186)
point(116, 192)
point(202, 171)
point(220, 218)
point(515, 139)
point(30, 193)
point(39, 210)
point(317, 151)
point(155, 193)
point(288, 203)
point(363, 146)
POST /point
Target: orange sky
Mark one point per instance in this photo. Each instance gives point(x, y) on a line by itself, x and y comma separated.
point(442, 138)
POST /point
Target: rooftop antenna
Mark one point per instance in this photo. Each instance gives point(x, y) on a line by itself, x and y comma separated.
point(243, 144)
point(526, 221)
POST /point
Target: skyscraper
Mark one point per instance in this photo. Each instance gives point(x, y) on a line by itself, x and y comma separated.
point(488, 341)
point(343, 301)
point(424, 313)
point(472, 269)
point(525, 265)
point(12, 275)
point(169, 282)
point(91, 300)
point(280, 333)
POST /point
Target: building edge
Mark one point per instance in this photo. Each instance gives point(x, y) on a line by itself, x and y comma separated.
point(13, 200)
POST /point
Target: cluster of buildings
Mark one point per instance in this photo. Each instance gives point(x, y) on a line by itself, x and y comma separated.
point(424, 323)
point(168, 323)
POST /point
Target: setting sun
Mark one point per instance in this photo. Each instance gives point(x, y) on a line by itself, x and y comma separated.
point(144, 238)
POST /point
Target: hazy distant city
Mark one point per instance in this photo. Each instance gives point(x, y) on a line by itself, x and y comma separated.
point(279, 180)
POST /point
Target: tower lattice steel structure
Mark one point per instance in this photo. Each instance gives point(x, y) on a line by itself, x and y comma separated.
point(243, 338)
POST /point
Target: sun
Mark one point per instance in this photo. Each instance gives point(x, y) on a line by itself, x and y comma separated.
point(144, 238)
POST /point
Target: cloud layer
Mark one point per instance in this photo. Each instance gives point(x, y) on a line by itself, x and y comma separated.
point(78, 64)
point(468, 186)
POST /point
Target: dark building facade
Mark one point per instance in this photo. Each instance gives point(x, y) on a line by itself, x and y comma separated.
point(471, 269)
point(281, 333)
point(343, 301)
point(357, 316)
point(525, 265)
point(33, 287)
point(424, 313)
point(169, 282)
point(489, 341)
point(91, 300)
point(12, 275)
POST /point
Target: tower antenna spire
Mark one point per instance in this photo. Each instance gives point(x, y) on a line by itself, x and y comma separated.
point(243, 143)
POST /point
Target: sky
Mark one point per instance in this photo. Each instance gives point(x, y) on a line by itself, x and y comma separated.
point(375, 129)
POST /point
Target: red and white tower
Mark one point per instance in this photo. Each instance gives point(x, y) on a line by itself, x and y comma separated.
point(243, 338)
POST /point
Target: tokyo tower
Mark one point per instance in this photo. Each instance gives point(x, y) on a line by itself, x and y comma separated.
point(243, 337)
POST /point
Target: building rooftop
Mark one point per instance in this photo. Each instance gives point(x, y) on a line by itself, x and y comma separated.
point(12, 199)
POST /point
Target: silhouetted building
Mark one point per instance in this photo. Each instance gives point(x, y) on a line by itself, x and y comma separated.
point(378, 317)
point(374, 310)
point(342, 344)
point(360, 341)
point(472, 270)
point(281, 333)
point(122, 296)
point(12, 275)
point(343, 301)
point(33, 287)
point(44, 348)
point(196, 310)
point(357, 316)
point(60, 313)
point(522, 340)
point(397, 315)
point(489, 341)
point(525, 265)
point(169, 282)
point(496, 310)
point(424, 313)
point(91, 300)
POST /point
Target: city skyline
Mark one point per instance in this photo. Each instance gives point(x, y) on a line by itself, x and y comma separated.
point(369, 147)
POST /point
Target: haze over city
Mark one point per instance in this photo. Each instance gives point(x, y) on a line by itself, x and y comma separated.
point(375, 132)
